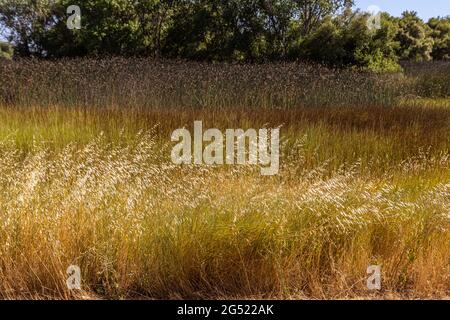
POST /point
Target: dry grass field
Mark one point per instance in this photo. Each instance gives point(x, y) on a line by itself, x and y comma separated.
point(86, 179)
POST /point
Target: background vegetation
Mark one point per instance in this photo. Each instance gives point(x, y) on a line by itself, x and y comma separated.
point(324, 31)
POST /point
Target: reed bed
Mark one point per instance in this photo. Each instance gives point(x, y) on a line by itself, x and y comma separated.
point(176, 84)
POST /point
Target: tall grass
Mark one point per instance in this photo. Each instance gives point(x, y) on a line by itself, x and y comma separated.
point(86, 179)
point(431, 78)
point(169, 84)
point(377, 137)
point(138, 225)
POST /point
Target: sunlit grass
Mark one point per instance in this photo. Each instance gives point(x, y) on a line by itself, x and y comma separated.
point(359, 184)
point(426, 102)
point(138, 225)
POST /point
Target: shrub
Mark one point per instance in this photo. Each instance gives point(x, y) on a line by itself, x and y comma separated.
point(6, 50)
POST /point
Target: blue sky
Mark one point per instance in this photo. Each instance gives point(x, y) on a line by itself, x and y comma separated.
point(425, 8)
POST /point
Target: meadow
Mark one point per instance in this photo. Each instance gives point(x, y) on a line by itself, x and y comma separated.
point(86, 179)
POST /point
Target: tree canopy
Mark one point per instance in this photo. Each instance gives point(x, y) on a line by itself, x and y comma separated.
point(325, 31)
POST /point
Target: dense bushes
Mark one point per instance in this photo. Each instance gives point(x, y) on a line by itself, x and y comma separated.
point(440, 29)
point(6, 50)
point(324, 31)
point(349, 41)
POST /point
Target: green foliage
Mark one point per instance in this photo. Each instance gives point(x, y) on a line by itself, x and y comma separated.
point(345, 42)
point(199, 29)
point(324, 31)
point(377, 62)
point(27, 21)
point(108, 27)
point(441, 34)
point(376, 49)
point(414, 37)
point(6, 51)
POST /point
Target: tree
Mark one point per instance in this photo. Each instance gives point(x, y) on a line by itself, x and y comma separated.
point(27, 21)
point(154, 19)
point(414, 37)
point(108, 27)
point(311, 13)
point(327, 31)
point(377, 53)
point(441, 36)
point(278, 15)
point(218, 30)
point(347, 41)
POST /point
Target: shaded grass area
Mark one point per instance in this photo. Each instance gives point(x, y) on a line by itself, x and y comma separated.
point(176, 84)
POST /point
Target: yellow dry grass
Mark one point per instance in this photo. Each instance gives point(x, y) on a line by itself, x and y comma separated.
point(95, 187)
